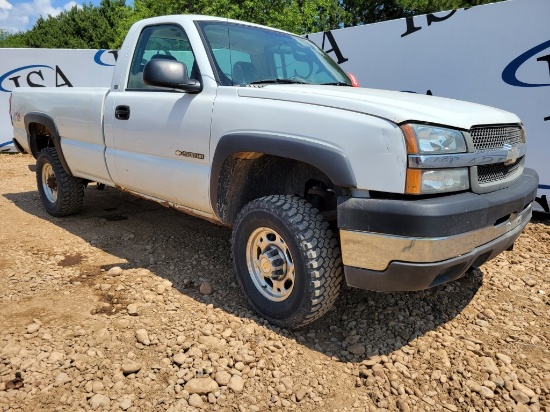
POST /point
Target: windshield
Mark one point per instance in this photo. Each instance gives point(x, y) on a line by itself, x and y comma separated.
point(244, 54)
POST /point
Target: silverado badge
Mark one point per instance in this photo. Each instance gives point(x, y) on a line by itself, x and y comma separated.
point(193, 155)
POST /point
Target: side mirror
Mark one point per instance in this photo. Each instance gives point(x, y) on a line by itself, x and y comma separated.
point(171, 74)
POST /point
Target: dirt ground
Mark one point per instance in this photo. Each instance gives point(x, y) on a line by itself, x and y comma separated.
point(132, 306)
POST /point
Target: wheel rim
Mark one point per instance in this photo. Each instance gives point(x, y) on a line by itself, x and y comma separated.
point(49, 183)
point(270, 264)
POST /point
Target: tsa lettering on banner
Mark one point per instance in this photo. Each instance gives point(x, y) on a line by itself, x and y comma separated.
point(509, 74)
point(335, 49)
point(430, 18)
point(106, 57)
point(36, 75)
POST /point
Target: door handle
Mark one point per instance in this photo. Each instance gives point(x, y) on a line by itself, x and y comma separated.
point(122, 112)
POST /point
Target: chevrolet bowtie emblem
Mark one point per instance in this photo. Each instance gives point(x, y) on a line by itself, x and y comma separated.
point(513, 154)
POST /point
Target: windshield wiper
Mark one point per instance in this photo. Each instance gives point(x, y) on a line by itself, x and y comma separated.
point(336, 84)
point(278, 81)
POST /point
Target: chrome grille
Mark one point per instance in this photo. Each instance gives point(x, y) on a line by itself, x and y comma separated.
point(487, 138)
point(497, 171)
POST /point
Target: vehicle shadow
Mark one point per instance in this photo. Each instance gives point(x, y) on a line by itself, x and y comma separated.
point(541, 217)
point(189, 251)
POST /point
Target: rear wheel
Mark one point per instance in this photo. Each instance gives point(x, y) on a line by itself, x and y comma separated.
point(61, 194)
point(287, 260)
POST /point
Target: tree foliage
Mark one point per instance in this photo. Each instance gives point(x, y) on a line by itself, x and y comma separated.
point(298, 16)
point(12, 40)
point(81, 27)
point(414, 7)
point(105, 26)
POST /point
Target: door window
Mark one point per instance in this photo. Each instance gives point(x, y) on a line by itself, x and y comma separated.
point(166, 41)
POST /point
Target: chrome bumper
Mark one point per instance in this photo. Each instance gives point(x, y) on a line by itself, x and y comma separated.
point(375, 251)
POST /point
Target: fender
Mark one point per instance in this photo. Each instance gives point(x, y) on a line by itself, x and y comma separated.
point(19, 147)
point(331, 161)
point(47, 121)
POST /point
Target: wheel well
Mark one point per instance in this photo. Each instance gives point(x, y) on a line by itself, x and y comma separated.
point(40, 137)
point(247, 176)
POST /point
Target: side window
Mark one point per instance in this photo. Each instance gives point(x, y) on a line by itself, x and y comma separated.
point(166, 41)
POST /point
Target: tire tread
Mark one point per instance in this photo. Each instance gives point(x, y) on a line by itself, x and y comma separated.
point(70, 190)
point(320, 250)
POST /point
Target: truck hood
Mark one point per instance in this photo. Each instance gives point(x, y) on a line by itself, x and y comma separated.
point(398, 107)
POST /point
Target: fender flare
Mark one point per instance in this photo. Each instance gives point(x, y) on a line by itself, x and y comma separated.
point(331, 161)
point(47, 121)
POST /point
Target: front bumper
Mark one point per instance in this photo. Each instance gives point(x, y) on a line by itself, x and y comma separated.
point(396, 245)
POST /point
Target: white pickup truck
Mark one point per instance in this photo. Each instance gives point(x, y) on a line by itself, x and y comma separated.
point(258, 129)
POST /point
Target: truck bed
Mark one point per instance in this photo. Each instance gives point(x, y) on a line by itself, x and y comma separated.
point(77, 113)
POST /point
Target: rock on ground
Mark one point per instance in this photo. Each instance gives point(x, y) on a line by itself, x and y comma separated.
point(131, 306)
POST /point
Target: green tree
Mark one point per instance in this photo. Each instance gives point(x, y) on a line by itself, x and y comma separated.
point(298, 16)
point(371, 11)
point(106, 26)
point(85, 27)
point(78, 28)
point(12, 40)
point(432, 6)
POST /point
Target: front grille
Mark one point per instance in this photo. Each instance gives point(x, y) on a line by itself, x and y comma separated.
point(487, 138)
point(497, 171)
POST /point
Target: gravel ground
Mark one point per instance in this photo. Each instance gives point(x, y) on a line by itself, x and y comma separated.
point(131, 306)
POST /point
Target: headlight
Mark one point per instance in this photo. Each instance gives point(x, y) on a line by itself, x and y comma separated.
point(425, 139)
point(426, 181)
point(422, 139)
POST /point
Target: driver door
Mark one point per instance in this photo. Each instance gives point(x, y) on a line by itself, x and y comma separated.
point(160, 137)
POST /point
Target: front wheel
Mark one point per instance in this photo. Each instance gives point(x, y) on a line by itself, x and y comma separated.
point(287, 260)
point(61, 194)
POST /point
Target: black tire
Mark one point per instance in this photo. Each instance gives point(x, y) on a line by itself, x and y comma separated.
point(61, 194)
point(309, 247)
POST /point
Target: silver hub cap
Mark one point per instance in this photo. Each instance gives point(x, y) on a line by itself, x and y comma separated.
point(270, 264)
point(49, 183)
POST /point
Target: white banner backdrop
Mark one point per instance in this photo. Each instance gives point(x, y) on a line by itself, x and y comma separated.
point(50, 68)
point(497, 54)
